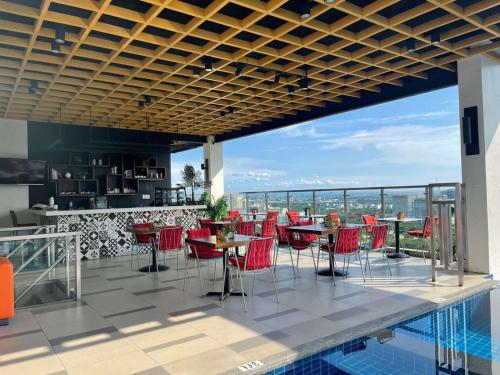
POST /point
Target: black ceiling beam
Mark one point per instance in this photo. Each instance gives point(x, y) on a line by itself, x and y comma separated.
point(437, 79)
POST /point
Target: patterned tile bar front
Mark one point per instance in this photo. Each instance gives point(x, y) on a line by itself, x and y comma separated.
point(104, 232)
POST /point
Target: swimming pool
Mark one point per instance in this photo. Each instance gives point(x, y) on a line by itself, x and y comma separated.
point(461, 338)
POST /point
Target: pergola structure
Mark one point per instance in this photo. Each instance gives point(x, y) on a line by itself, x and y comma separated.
point(228, 67)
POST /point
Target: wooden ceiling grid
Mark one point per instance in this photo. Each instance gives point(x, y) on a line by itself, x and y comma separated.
point(117, 51)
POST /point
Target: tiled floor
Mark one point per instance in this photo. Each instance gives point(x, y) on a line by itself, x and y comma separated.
point(134, 323)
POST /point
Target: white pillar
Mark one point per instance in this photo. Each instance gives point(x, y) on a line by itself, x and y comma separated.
point(479, 85)
point(213, 152)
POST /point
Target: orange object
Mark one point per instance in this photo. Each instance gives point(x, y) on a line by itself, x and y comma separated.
point(6, 291)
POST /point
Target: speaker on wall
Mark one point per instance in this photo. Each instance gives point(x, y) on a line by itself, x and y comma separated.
point(470, 131)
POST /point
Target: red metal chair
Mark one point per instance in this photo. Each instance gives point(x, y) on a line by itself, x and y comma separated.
point(170, 239)
point(346, 244)
point(370, 220)
point(305, 236)
point(233, 213)
point(205, 223)
point(334, 216)
point(299, 244)
point(267, 228)
point(272, 215)
point(256, 259)
point(293, 216)
point(424, 233)
point(378, 244)
point(245, 228)
point(199, 252)
point(140, 241)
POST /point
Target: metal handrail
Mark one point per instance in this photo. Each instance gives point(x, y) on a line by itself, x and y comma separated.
point(26, 241)
point(32, 227)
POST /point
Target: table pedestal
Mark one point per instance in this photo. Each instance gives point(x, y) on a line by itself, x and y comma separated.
point(330, 271)
point(227, 291)
point(154, 264)
point(397, 254)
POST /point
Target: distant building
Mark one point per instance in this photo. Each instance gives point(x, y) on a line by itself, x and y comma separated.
point(419, 207)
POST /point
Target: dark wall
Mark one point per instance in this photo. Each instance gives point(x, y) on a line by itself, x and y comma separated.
point(53, 142)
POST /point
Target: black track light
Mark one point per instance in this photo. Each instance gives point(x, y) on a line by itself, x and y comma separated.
point(305, 9)
point(60, 37)
point(196, 72)
point(147, 100)
point(291, 89)
point(230, 109)
point(207, 61)
point(435, 38)
point(410, 45)
point(33, 87)
point(239, 69)
point(277, 77)
point(141, 104)
point(328, 2)
point(54, 47)
point(304, 83)
point(222, 113)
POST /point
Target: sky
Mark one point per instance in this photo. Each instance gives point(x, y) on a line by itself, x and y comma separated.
point(415, 140)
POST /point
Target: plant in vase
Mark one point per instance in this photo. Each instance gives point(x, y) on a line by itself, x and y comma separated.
point(216, 208)
point(400, 216)
point(330, 222)
point(253, 210)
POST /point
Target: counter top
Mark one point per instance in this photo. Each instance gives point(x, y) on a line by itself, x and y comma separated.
point(47, 213)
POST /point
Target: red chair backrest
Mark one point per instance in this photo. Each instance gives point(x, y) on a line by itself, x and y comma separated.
point(370, 220)
point(334, 216)
point(293, 216)
point(427, 226)
point(170, 238)
point(258, 255)
point(379, 236)
point(197, 233)
point(272, 215)
point(347, 240)
point(268, 228)
point(205, 223)
point(142, 238)
point(305, 236)
point(245, 228)
point(233, 213)
point(283, 236)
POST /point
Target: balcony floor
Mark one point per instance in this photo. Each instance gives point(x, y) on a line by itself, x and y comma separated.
point(131, 322)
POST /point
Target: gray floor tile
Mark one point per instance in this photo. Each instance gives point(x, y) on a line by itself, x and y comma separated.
point(346, 314)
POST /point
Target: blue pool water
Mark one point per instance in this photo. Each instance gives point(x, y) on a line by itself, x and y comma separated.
point(462, 338)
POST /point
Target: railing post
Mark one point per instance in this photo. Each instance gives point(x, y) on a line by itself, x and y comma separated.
point(77, 268)
point(68, 291)
point(288, 201)
point(459, 237)
point(247, 202)
point(266, 200)
point(345, 205)
point(382, 202)
point(432, 246)
point(314, 202)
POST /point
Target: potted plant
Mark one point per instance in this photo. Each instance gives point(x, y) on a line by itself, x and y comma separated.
point(400, 216)
point(253, 210)
point(329, 222)
point(216, 208)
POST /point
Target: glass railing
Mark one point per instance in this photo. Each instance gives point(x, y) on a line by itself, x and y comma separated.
point(46, 264)
point(350, 203)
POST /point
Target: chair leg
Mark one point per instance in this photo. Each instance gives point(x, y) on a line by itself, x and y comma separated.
point(361, 266)
point(199, 274)
point(185, 273)
point(253, 282)
point(387, 259)
point(242, 289)
point(177, 255)
point(223, 280)
point(291, 258)
point(314, 260)
point(317, 261)
point(275, 287)
point(332, 260)
point(367, 262)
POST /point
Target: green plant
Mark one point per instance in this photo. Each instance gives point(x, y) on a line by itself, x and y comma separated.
point(191, 178)
point(216, 208)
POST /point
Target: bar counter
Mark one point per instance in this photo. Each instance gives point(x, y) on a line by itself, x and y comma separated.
point(104, 232)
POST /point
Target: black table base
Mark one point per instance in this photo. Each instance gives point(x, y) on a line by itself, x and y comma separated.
point(398, 255)
point(227, 285)
point(330, 271)
point(227, 294)
point(152, 268)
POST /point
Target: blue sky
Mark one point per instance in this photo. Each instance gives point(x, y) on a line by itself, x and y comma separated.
point(409, 141)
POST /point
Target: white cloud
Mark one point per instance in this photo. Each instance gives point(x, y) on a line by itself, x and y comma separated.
point(406, 144)
point(421, 116)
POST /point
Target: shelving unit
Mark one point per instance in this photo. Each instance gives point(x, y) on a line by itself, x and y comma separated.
point(90, 173)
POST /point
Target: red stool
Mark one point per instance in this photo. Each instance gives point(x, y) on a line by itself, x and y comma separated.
point(6, 291)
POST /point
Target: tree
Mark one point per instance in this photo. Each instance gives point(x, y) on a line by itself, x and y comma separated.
point(191, 178)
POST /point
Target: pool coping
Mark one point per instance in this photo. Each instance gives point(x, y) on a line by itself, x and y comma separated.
point(365, 329)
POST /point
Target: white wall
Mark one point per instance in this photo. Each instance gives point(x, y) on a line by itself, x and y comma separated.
point(479, 85)
point(215, 154)
point(13, 144)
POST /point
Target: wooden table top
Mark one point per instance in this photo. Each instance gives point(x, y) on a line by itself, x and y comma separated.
point(319, 229)
point(225, 223)
point(144, 230)
point(238, 240)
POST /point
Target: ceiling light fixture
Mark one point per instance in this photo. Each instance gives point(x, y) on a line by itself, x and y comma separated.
point(196, 71)
point(305, 10)
point(222, 113)
point(410, 45)
point(230, 109)
point(328, 2)
point(239, 69)
point(304, 82)
point(207, 61)
point(55, 47)
point(277, 77)
point(60, 37)
point(435, 38)
point(291, 89)
point(141, 104)
point(147, 100)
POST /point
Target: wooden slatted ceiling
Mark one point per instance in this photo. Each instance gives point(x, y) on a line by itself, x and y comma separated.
point(117, 51)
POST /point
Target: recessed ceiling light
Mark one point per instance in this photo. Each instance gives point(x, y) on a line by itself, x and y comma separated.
point(305, 10)
point(207, 61)
point(328, 2)
point(290, 89)
point(54, 47)
point(410, 45)
point(304, 83)
point(196, 72)
point(435, 38)
point(60, 35)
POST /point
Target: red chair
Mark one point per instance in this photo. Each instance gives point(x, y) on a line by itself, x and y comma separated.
point(199, 252)
point(245, 228)
point(282, 235)
point(346, 243)
point(272, 215)
point(334, 216)
point(141, 241)
point(378, 244)
point(293, 216)
point(370, 221)
point(299, 244)
point(170, 239)
point(305, 236)
point(256, 259)
point(205, 223)
point(424, 233)
point(234, 213)
point(267, 229)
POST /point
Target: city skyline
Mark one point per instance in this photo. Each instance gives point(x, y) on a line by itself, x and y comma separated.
point(414, 140)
